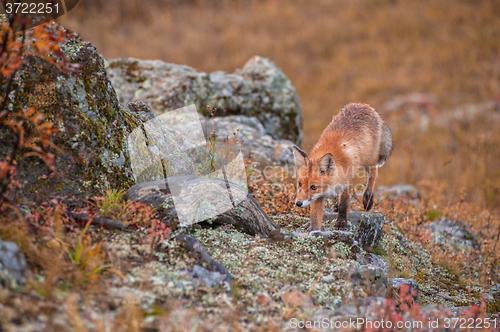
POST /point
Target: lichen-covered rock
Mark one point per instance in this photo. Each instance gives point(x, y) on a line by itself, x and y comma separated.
point(259, 89)
point(12, 264)
point(372, 259)
point(155, 149)
point(253, 141)
point(366, 226)
point(492, 297)
point(453, 234)
point(91, 125)
point(372, 278)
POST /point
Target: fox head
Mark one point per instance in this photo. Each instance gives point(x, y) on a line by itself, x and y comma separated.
point(315, 178)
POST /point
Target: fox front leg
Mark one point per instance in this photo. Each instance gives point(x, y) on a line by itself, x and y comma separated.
point(341, 223)
point(317, 208)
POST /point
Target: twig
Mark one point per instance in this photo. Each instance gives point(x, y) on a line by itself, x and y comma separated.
point(193, 245)
point(103, 222)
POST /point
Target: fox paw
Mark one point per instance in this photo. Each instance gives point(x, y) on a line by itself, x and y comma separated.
point(335, 207)
point(341, 224)
point(368, 200)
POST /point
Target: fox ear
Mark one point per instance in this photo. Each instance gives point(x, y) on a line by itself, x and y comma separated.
point(300, 157)
point(326, 164)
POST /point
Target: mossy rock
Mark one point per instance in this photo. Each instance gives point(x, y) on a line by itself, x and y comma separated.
point(91, 125)
point(367, 226)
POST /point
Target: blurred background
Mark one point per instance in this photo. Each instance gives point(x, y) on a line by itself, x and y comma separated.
point(431, 68)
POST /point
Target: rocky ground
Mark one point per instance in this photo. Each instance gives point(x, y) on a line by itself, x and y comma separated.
point(291, 274)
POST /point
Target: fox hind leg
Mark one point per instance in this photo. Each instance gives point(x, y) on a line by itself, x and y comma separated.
point(368, 194)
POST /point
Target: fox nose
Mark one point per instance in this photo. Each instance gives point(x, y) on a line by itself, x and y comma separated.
point(298, 203)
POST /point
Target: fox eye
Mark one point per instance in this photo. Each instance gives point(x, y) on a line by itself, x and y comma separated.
point(300, 184)
point(313, 187)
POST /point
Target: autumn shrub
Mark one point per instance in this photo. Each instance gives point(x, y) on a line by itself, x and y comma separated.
point(25, 129)
point(404, 314)
point(57, 252)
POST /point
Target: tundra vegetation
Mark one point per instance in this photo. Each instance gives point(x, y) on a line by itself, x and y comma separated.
point(99, 262)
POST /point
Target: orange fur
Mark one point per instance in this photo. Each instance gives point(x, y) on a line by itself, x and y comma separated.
point(356, 140)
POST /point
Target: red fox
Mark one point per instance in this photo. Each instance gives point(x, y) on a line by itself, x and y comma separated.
point(356, 138)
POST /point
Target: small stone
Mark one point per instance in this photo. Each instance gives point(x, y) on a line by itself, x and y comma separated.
point(203, 276)
point(12, 264)
point(371, 278)
point(280, 235)
point(322, 234)
point(379, 262)
point(263, 299)
point(367, 227)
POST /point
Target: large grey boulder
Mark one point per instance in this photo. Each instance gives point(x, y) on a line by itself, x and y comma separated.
point(253, 141)
point(91, 125)
point(259, 89)
point(156, 150)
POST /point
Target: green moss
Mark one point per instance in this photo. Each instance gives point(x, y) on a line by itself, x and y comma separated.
point(380, 250)
point(342, 249)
